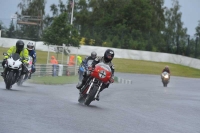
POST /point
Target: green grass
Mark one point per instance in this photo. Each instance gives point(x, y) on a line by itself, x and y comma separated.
point(131, 66)
point(54, 80)
point(148, 67)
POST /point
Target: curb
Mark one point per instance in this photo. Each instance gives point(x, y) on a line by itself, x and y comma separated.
point(123, 81)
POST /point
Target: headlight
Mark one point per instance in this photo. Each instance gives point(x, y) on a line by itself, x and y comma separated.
point(166, 76)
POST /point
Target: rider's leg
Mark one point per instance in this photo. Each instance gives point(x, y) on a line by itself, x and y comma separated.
point(80, 85)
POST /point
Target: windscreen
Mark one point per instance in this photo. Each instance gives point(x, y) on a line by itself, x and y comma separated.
point(15, 56)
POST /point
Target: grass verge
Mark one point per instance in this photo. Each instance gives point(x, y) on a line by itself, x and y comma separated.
point(54, 80)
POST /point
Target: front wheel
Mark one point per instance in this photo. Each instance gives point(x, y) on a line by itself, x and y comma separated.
point(9, 80)
point(91, 95)
point(165, 83)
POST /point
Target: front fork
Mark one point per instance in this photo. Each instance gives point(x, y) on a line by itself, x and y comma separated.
point(91, 86)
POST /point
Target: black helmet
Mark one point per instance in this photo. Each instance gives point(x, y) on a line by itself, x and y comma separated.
point(19, 45)
point(108, 55)
point(93, 55)
point(167, 67)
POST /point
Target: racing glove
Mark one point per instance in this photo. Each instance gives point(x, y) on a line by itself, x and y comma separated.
point(25, 62)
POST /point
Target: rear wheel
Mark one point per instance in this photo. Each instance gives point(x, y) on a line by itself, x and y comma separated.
point(20, 81)
point(91, 95)
point(9, 80)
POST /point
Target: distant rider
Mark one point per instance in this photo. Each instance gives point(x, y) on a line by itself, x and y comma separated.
point(32, 53)
point(86, 61)
point(166, 69)
point(106, 59)
point(90, 58)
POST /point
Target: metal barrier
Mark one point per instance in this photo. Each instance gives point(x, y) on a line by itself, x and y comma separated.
point(52, 70)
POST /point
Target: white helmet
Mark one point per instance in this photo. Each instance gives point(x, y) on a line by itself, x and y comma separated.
point(30, 46)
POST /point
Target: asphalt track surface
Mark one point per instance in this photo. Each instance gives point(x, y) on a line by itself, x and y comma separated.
point(142, 107)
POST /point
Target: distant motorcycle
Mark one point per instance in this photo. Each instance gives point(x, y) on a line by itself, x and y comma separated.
point(165, 78)
point(28, 70)
point(83, 68)
point(13, 68)
point(98, 77)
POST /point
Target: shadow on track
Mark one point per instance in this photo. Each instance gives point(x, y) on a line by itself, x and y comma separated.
point(9, 89)
point(90, 106)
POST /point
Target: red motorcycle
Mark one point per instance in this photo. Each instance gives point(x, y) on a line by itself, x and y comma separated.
point(99, 77)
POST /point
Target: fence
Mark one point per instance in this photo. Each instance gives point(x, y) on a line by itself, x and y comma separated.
point(52, 70)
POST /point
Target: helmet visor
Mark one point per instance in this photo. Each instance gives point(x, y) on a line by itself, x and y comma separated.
point(29, 47)
point(109, 56)
point(20, 47)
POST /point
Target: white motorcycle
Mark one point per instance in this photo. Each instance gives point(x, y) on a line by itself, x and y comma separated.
point(13, 69)
point(165, 76)
point(28, 68)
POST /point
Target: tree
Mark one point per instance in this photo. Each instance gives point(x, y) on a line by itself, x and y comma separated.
point(34, 9)
point(198, 29)
point(60, 32)
point(174, 32)
point(3, 29)
point(11, 30)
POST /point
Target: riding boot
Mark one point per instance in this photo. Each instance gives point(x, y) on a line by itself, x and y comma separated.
point(29, 77)
point(80, 85)
point(2, 74)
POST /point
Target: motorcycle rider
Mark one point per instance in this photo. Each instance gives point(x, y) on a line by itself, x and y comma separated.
point(166, 69)
point(107, 59)
point(32, 53)
point(18, 48)
point(88, 59)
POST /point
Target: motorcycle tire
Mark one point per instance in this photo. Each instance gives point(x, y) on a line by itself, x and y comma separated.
point(91, 95)
point(21, 80)
point(9, 80)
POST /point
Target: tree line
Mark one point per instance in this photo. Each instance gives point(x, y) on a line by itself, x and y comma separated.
point(126, 24)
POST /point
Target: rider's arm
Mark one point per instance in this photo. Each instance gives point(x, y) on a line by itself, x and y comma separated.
point(34, 57)
point(84, 62)
point(25, 56)
point(112, 69)
point(9, 52)
point(96, 60)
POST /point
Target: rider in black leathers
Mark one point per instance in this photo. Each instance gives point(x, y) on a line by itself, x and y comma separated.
point(107, 58)
point(90, 58)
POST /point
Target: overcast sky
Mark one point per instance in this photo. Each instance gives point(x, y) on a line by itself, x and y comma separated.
point(190, 11)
